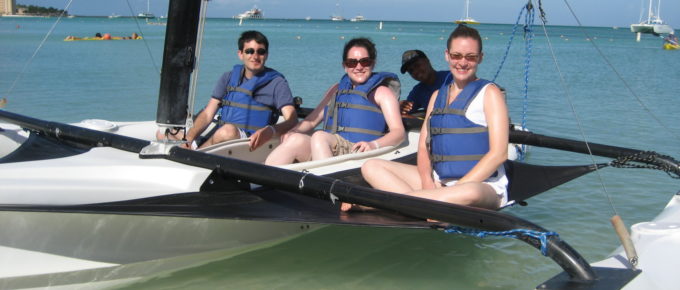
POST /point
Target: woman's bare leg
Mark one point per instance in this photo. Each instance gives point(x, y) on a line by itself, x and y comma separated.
point(322, 144)
point(389, 176)
point(476, 194)
point(295, 147)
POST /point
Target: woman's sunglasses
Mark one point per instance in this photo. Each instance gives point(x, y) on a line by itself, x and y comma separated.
point(260, 51)
point(468, 57)
point(352, 62)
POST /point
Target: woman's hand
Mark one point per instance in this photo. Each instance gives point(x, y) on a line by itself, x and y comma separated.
point(364, 146)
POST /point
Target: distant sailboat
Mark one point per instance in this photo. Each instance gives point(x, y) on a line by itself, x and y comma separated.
point(338, 14)
point(653, 24)
point(146, 14)
point(467, 19)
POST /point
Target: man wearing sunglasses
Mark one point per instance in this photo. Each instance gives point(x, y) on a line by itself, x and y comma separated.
point(419, 67)
point(250, 98)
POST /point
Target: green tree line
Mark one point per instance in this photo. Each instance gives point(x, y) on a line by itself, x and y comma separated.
point(32, 9)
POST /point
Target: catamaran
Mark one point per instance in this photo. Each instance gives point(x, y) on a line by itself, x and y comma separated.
point(98, 203)
point(653, 23)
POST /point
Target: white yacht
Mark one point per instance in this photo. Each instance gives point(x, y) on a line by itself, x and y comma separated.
point(653, 23)
point(358, 18)
point(254, 13)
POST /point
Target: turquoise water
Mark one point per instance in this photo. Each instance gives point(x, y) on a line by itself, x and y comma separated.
point(119, 80)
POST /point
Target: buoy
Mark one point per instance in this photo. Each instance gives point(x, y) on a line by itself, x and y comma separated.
point(106, 36)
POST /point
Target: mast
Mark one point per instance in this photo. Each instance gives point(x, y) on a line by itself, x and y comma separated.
point(467, 9)
point(178, 62)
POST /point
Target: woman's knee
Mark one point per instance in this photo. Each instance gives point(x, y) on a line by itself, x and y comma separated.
point(373, 167)
point(296, 141)
point(372, 164)
point(321, 140)
point(475, 194)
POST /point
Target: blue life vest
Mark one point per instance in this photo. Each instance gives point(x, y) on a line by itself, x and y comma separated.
point(238, 105)
point(456, 143)
point(351, 115)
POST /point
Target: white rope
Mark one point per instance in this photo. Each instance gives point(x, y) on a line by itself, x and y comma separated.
point(30, 60)
point(141, 32)
point(193, 84)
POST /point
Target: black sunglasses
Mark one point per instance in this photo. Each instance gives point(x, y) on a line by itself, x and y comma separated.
point(260, 51)
point(352, 62)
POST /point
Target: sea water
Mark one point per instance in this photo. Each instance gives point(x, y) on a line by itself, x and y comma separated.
point(602, 85)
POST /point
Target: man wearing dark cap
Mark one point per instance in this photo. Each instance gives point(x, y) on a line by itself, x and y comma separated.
point(418, 66)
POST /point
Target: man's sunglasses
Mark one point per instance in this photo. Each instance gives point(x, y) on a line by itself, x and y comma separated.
point(260, 51)
point(352, 63)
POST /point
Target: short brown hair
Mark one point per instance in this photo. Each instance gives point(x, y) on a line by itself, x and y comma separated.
point(465, 31)
point(360, 42)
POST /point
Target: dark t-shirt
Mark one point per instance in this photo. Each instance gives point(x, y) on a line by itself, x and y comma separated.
point(275, 94)
point(421, 93)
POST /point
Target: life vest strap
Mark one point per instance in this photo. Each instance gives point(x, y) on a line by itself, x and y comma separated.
point(238, 89)
point(360, 107)
point(245, 106)
point(444, 158)
point(352, 92)
point(471, 130)
point(445, 111)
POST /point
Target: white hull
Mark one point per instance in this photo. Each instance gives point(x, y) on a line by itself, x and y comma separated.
point(657, 243)
point(651, 28)
point(653, 24)
point(146, 15)
point(63, 248)
point(71, 248)
point(59, 249)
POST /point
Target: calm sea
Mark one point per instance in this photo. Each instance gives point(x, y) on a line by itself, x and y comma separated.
point(119, 80)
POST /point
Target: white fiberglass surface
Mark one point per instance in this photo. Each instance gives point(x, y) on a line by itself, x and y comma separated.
point(100, 175)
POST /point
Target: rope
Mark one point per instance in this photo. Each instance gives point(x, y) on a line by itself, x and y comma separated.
point(507, 48)
point(649, 159)
point(620, 77)
point(301, 184)
point(528, 44)
point(542, 237)
point(569, 98)
point(148, 49)
point(35, 52)
point(193, 84)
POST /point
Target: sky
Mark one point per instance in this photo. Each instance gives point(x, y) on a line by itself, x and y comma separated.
point(606, 13)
